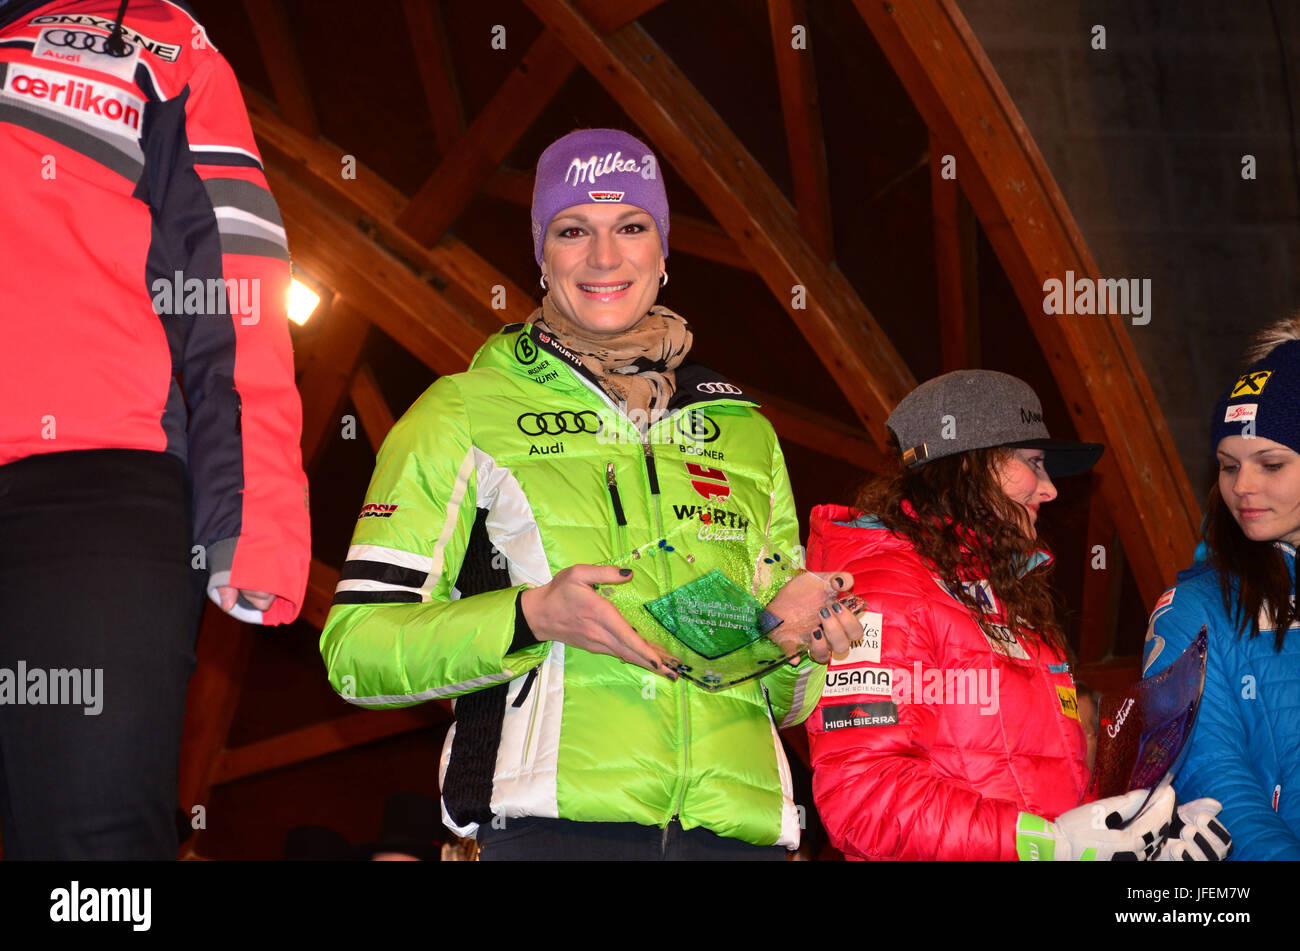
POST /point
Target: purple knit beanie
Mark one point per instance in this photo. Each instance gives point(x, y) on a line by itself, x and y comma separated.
point(597, 165)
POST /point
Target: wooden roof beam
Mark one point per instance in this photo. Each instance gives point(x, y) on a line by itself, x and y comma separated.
point(376, 416)
point(437, 74)
point(275, 39)
point(398, 301)
point(330, 363)
point(497, 129)
point(957, 92)
point(609, 15)
point(805, 427)
point(956, 267)
point(322, 579)
point(803, 124)
point(321, 739)
point(528, 89)
point(691, 135)
point(370, 202)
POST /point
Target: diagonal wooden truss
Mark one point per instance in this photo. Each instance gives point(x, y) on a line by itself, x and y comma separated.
point(391, 262)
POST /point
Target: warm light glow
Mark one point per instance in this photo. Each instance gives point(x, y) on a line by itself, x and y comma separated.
point(302, 302)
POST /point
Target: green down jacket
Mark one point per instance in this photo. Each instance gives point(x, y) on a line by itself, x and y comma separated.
point(496, 479)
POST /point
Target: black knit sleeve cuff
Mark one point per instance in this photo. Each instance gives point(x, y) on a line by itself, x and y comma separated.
point(523, 633)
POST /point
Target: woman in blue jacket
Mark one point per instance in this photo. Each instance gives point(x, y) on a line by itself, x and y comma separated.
point(1245, 749)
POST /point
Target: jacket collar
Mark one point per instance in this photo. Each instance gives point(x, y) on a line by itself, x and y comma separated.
point(827, 518)
point(520, 347)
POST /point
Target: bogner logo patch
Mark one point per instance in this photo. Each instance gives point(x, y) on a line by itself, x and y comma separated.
point(859, 681)
point(846, 716)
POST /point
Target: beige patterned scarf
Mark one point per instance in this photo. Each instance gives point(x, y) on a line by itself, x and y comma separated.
point(638, 366)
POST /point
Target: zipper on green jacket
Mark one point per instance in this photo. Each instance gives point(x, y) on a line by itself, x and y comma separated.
point(532, 715)
point(620, 517)
point(652, 475)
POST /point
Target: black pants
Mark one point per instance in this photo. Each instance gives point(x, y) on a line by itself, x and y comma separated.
point(559, 840)
point(95, 580)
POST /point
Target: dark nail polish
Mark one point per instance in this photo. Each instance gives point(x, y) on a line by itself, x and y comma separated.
point(836, 607)
point(825, 613)
point(625, 572)
point(656, 666)
point(817, 634)
point(839, 582)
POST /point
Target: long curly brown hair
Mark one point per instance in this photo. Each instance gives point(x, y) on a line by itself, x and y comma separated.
point(965, 527)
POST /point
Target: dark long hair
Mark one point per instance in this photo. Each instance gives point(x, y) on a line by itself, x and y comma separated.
point(1253, 576)
point(964, 526)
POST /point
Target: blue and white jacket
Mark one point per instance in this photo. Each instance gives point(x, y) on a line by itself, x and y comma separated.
point(1245, 747)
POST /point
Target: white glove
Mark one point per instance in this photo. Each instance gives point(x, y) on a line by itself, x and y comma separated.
point(1195, 835)
point(1092, 832)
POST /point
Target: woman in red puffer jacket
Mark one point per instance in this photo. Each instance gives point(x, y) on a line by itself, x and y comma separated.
point(951, 729)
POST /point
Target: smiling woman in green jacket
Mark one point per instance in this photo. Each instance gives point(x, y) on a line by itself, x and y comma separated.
point(581, 449)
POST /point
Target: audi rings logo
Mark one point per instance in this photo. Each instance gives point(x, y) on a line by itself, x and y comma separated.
point(87, 42)
point(697, 427)
point(719, 389)
point(557, 424)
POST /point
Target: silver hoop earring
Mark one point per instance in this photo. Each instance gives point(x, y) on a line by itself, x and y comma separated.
point(663, 278)
point(542, 280)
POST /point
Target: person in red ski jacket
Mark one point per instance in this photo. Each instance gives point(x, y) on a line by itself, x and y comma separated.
point(149, 437)
point(951, 729)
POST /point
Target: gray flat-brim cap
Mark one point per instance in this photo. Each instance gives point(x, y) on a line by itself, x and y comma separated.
point(980, 409)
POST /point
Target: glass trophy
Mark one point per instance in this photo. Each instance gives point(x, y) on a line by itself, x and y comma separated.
point(711, 629)
point(1143, 732)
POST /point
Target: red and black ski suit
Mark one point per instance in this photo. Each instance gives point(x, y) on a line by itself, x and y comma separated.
point(933, 734)
point(143, 276)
